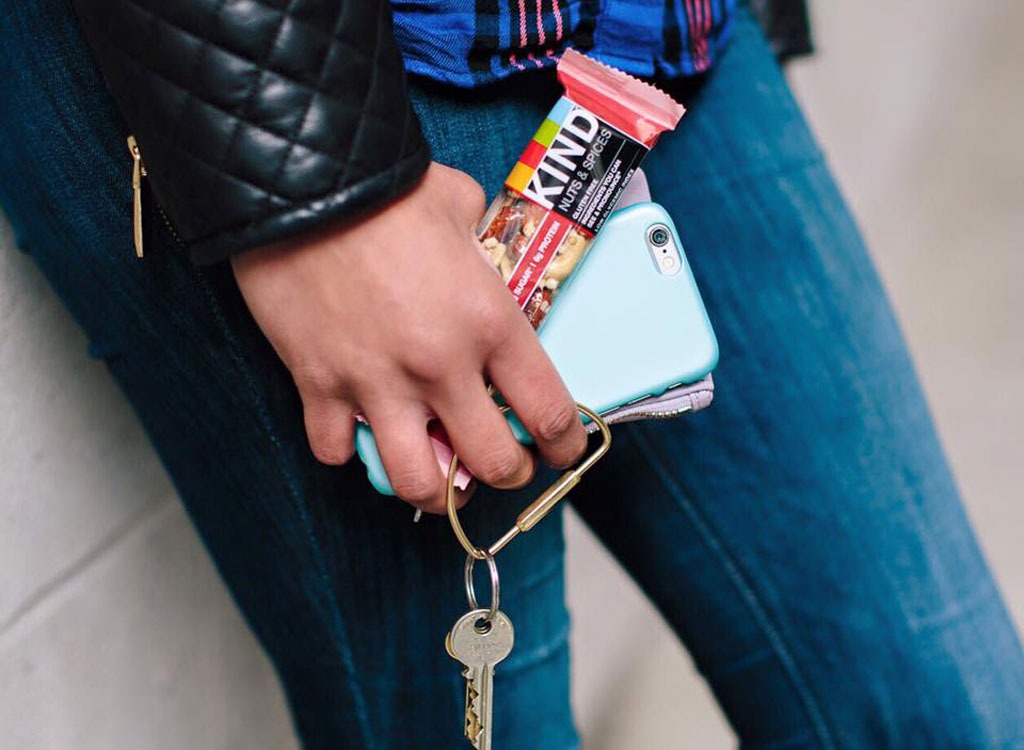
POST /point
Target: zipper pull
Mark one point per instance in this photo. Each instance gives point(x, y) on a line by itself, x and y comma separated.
point(138, 172)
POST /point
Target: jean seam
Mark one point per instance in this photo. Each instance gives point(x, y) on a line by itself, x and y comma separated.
point(529, 659)
point(771, 632)
point(540, 576)
point(292, 485)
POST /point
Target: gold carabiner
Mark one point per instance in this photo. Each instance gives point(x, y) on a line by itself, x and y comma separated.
point(540, 507)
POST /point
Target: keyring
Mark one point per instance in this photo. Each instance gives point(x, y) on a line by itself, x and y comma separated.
point(492, 567)
point(540, 507)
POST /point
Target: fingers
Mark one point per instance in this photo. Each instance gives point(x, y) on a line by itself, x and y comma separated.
point(408, 458)
point(521, 370)
point(330, 427)
point(482, 438)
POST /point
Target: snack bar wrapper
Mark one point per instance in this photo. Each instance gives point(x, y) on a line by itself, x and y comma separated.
point(569, 178)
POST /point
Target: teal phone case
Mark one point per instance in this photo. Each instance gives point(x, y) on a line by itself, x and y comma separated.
point(621, 330)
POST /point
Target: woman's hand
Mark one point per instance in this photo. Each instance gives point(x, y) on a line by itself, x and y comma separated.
point(398, 317)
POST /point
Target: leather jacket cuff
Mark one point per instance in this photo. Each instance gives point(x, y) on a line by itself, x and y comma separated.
point(257, 122)
point(786, 25)
point(371, 192)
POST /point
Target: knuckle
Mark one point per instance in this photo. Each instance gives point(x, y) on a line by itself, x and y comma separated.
point(556, 422)
point(330, 439)
point(315, 380)
point(414, 487)
point(474, 198)
point(494, 325)
point(332, 453)
point(328, 442)
point(425, 363)
point(501, 466)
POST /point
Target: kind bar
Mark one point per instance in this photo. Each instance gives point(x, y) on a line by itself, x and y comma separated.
point(570, 176)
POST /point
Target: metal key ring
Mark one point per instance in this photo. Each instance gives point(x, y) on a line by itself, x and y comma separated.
point(492, 568)
point(540, 507)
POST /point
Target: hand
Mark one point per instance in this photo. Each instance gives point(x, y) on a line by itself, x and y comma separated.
point(398, 316)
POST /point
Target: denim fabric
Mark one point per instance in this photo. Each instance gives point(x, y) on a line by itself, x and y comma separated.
point(803, 536)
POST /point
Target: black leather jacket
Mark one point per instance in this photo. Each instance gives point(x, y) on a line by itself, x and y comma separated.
point(786, 24)
point(259, 119)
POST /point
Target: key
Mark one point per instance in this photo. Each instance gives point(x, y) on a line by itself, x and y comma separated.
point(480, 649)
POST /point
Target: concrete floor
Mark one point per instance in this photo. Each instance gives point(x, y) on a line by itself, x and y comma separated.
point(115, 631)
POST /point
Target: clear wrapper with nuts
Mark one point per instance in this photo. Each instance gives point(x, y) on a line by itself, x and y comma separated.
point(508, 234)
point(538, 229)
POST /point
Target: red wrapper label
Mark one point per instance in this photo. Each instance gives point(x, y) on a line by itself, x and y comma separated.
point(537, 257)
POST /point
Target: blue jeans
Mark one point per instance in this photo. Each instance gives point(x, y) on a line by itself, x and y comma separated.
point(803, 537)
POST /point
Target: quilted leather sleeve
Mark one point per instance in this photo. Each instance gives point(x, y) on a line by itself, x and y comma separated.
point(259, 119)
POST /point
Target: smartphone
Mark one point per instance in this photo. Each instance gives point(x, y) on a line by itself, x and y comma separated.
point(629, 324)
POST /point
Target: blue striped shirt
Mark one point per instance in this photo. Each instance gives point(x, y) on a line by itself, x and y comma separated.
point(472, 42)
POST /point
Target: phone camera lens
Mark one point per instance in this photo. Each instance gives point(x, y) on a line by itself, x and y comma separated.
point(659, 237)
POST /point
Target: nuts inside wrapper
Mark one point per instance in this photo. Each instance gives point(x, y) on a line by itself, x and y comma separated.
point(506, 231)
point(569, 178)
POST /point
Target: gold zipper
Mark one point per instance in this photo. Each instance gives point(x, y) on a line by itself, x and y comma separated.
point(138, 172)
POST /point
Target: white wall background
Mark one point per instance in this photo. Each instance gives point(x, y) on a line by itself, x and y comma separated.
point(115, 631)
point(918, 105)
